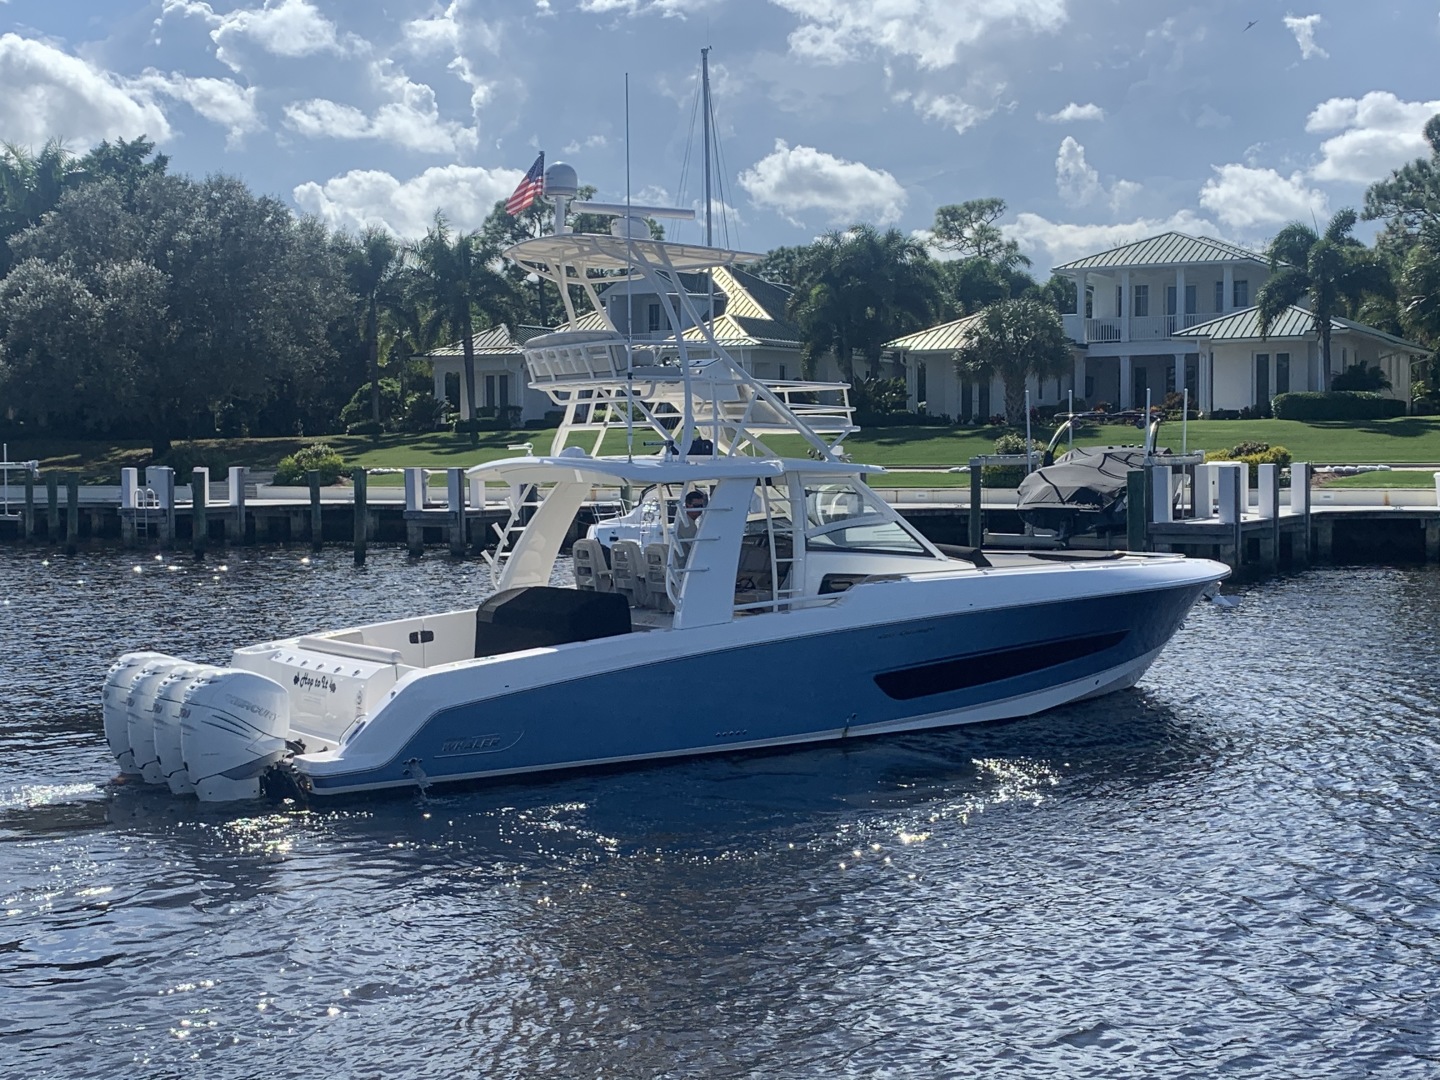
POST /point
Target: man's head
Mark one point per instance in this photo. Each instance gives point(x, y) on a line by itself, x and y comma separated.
point(695, 502)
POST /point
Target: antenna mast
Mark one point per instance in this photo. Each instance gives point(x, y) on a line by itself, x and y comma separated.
point(705, 108)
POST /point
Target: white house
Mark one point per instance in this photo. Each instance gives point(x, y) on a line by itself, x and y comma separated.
point(501, 380)
point(1161, 315)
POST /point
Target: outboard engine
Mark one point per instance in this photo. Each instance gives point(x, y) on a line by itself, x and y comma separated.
point(169, 699)
point(232, 725)
point(113, 705)
point(140, 716)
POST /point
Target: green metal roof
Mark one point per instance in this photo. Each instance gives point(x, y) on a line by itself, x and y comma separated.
point(1167, 249)
point(492, 342)
point(1295, 322)
point(946, 337)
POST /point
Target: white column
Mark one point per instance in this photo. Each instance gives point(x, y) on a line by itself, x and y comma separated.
point(1162, 494)
point(1080, 287)
point(439, 382)
point(1228, 299)
point(1207, 481)
point(1126, 303)
point(1233, 478)
point(975, 402)
point(1267, 508)
point(1127, 384)
point(1205, 390)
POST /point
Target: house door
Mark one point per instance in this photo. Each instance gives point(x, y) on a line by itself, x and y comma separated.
point(1262, 381)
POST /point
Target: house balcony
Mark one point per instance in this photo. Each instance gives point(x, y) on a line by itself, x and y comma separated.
point(1132, 328)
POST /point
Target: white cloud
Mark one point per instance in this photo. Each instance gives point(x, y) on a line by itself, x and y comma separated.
point(406, 208)
point(590, 142)
point(931, 32)
point(412, 120)
point(45, 92)
point(668, 8)
point(949, 110)
point(794, 180)
point(1303, 27)
point(1079, 184)
point(289, 28)
point(1378, 133)
point(445, 33)
point(1245, 197)
point(1072, 113)
point(222, 101)
point(1050, 243)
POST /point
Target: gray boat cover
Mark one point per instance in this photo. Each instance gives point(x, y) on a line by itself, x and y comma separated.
point(1086, 478)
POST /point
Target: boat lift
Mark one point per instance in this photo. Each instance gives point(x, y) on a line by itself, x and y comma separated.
point(24, 468)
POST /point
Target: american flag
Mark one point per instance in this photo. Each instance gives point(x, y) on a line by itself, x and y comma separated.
point(530, 189)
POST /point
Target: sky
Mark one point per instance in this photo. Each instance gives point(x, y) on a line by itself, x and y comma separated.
point(1097, 121)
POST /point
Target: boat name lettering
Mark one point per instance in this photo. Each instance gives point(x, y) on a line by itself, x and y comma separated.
point(250, 707)
point(477, 742)
point(316, 682)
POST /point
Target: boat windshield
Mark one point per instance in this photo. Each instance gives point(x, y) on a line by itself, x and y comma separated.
point(842, 515)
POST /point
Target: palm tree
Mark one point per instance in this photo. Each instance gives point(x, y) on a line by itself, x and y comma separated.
point(30, 185)
point(1334, 270)
point(858, 290)
point(1016, 339)
point(452, 276)
point(372, 266)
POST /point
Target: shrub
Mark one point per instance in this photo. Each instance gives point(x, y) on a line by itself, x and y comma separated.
point(1010, 475)
point(185, 458)
point(1253, 454)
point(294, 469)
point(1336, 405)
point(364, 427)
point(1360, 377)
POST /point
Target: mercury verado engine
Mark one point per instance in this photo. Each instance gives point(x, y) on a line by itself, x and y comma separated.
point(232, 725)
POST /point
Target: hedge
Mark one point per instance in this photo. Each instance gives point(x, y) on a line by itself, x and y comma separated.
point(1337, 405)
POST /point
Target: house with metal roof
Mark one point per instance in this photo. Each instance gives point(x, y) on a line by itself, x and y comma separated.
point(501, 381)
point(1246, 369)
point(933, 386)
point(1161, 315)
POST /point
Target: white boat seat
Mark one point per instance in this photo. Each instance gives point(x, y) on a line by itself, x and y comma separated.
point(627, 564)
point(656, 559)
point(592, 569)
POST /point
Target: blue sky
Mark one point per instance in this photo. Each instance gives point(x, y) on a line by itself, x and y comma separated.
point(1098, 121)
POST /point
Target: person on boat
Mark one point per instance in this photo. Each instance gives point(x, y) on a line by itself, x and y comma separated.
point(695, 503)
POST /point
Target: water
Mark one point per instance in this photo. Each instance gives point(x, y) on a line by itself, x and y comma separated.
point(1231, 870)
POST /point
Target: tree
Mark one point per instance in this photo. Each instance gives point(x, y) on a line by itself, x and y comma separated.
point(372, 269)
point(451, 276)
point(859, 290)
point(1409, 203)
point(182, 296)
point(1334, 270)
point(781, 265)
point(30, 185)
point(1016, 339)
point(968, 229)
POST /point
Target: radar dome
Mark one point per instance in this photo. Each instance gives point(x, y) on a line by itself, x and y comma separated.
point(560, 179)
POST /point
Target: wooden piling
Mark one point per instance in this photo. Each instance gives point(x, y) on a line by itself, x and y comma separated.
point(316, 518)
point(455, 503)
point(1136, 519)
point(199, 519)
point(977, 520)
point(72, 512)
point(29, 505)
point(52, 507)
point(360, 479)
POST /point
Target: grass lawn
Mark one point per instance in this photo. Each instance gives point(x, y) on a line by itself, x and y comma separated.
point(1400, 478)
point(1399, 441)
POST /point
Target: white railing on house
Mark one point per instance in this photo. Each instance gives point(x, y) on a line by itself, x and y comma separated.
point(1102, 329)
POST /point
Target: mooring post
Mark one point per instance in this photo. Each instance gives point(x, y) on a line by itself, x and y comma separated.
point(316, 520)
point(1162, 494)
point(199, 519)
point(29, 505)
point(977, 520)
point(235, 505)
point(455, 503)
point(1233, 482)
point(1269, 508)
point(161, 480)
point(1136, 525)
point(359, 479)
point(415, 481)
point(72, 511)
point(1300, 506)
point(52, 507)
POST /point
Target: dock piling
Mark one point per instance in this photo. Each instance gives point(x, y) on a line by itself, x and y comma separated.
point(977, 520)
point(455, 504)
point(199, 520)
point(1137, 520)
point(72, 512)
point(52, 507)
point(29, 505)
point(1269, 482)
point(235, 505)
point(360, 479)
point(1300, 506)
point(316, 518)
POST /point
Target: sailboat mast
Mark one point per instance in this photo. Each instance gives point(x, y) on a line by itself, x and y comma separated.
point(705, 108)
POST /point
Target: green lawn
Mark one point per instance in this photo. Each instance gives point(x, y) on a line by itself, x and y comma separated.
point(1400, 441)
point(1400, 478)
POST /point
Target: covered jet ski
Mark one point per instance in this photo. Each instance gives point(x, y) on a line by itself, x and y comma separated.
point(1084, 489)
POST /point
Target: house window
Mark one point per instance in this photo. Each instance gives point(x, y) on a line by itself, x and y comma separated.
point(782, 370)
point(452, 388)
point(1089, 387)
point(1282, 373)
point(1141, 307)
point(1169, 299)
point(490, 390)
point(1219, 297)
point(921, 395)
point(1191, 301)
point(1262, 378)
point(1242, 293)
point(654, 323)
point(1119, 300)
point(504, 390)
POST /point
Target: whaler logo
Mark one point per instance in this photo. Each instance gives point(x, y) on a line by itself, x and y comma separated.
point(492, 743)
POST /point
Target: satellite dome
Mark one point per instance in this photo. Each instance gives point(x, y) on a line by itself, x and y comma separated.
point(560, 179)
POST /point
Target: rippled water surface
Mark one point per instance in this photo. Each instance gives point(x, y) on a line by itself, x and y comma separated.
point(1232, 870)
